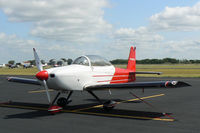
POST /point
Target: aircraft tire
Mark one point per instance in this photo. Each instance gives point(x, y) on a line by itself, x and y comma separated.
point(109, 105)
point(62, 102)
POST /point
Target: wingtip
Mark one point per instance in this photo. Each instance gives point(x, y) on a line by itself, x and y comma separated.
point(9, 78)
point(183, 84)
point(177, 84)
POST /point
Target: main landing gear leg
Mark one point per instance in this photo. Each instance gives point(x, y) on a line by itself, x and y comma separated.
point(95, 97)
point(107, 105)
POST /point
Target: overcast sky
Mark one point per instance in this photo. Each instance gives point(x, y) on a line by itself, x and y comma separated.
point(70, 28)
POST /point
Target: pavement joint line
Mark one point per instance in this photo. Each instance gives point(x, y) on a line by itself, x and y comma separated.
point(130, 100)
point(39, 91)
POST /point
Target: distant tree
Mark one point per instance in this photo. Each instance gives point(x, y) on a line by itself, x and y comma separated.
point(69, 61)
point(12, 62)
point(184, 61)
point(19, 64)
point(65, 60)
point(119, 61)
point(32, 62)
point(170, 60)
point(52, 62)
point(60, 62)
point(43, 61)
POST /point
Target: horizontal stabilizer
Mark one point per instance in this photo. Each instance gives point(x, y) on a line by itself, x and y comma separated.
point(158, 73)
point(24, 80)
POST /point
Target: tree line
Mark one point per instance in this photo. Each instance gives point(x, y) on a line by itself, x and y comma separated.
point(51, 61)
point(157, 61)
point(123, 61)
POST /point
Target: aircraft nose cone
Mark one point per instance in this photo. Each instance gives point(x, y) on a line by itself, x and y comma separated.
point(42, 75)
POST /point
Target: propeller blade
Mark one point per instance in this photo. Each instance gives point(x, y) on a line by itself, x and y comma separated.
point(42, 75)
point(47, 91)
point(37, 60)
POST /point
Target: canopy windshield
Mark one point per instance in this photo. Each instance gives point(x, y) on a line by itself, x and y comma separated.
point(81, 61)
point(98, 60)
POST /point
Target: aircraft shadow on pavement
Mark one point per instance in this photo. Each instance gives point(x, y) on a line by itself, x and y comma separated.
point(40, 110)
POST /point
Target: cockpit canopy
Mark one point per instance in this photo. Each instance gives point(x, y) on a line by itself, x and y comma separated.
point(93, 60)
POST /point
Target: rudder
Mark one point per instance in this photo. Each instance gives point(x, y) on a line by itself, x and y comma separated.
point(132, 59)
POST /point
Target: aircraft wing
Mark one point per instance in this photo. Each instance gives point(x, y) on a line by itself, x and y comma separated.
point(139, 85)
point(24, 80)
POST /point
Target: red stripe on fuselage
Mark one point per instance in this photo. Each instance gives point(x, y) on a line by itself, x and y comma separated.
point(118, 78)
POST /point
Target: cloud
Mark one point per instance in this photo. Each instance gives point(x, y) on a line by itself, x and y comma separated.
point(16, 42)
point(66, 25)
point(177, 19)
point(139, 36)
point(124, 38)
point(14, 47)
point(75, 21)
point(185, 49)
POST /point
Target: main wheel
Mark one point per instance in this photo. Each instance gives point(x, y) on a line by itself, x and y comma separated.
point(62, 102)
point(109, 105)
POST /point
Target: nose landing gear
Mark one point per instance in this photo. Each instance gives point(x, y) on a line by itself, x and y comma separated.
point(61, 102)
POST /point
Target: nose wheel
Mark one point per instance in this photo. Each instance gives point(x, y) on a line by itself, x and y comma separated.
point(63, 101)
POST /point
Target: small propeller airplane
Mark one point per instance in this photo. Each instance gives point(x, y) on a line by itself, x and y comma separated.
point(90, 73)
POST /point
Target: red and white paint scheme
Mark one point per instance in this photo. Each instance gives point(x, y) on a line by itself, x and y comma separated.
point(89, 73)
point(86, 71)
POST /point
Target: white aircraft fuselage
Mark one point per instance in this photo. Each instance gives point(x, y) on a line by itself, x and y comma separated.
point(76, 77)
point(85, 71)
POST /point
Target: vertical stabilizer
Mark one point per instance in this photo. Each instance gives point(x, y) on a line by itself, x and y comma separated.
point(132, 59)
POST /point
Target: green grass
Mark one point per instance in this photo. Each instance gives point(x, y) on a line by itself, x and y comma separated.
point(168, 70)
point(168, 66)
point(18, 71)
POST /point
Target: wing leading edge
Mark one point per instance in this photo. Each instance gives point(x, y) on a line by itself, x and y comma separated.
point(24, 80)
point(139, 85)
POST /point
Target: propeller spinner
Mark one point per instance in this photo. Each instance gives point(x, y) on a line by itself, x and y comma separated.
point(42, 75)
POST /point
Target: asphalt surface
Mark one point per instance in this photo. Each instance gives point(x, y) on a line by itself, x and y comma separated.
point(27, 111)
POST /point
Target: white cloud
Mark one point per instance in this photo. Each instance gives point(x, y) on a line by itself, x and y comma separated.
point(16, 42)
point(14, 47)
point(185, 49)
point(81, 21)
point(185, 46)
point(140, 36)
point(70, 20)
point(123, 38)
point(177, 18)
